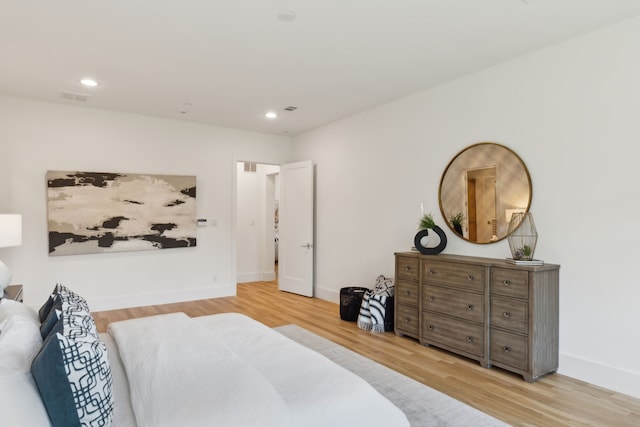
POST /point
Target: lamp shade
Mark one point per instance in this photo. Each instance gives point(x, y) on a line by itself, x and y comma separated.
point(10, 230)
point(10, 235)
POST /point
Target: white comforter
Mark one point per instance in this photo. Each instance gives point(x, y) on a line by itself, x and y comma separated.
point(229, 370)
point(179, 376)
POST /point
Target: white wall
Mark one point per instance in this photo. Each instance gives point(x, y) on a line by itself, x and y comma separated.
point(572, 114)
point(36, 136)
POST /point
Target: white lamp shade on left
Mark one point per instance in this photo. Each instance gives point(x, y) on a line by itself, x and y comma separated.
point(10, 230)
point(10, 235)
point(5, 277)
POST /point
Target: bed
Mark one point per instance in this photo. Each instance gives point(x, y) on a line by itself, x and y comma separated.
point(170, 370)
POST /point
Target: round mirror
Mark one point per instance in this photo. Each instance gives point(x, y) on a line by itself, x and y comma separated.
point(481, 188)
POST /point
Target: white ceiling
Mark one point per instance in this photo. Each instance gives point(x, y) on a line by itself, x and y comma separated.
point(233, 60)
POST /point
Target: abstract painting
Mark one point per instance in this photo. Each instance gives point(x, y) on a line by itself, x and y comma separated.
point(95, 212)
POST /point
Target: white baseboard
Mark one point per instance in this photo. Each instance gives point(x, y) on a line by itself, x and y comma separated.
point(269, 276)
point(157, 298)
point(257, 276)
point(327, 294)
point(248, 277)
point(609, 377)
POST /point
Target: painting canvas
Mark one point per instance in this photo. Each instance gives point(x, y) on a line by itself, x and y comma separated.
point(94, 212)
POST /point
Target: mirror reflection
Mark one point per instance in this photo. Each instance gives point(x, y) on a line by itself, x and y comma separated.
point(481, 188)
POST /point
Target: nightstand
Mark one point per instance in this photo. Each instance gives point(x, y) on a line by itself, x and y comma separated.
point(13, 292)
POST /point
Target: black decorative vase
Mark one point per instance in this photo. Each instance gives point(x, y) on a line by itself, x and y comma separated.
point(430, 251)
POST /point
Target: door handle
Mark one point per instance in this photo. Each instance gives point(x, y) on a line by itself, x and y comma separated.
point(308, 246)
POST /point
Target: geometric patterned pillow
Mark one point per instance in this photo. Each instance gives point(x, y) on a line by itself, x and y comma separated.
point(71, 303)
point(74, 380)
point(60, 293)
point(68, 303)
point(71, 324)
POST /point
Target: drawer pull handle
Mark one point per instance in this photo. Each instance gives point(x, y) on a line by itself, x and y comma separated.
point(430, 298)
point(407, 268)
point(470, 277)
point(470, 307)
point(407, 319)
point(506, 314)
point(407, 293)
point(430, 327)
point(469, 339)
point(506, 349)
point(431, 271)
point(506, 282)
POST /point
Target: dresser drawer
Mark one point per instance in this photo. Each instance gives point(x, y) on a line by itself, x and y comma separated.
point(512, 283)
point(407, 292)
point(510, 314)
point(459, 275)
point(407, 319)
point(407, 268)
point(466, 305)
point(458, 334)
point(510, 349)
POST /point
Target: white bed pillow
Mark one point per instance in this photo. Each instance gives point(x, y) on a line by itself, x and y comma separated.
point(20, 341)
point(20, 403)
point(10, 308)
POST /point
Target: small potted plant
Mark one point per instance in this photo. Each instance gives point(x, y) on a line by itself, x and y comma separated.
point(426, 222)
point(523, 253)
point(456, 222)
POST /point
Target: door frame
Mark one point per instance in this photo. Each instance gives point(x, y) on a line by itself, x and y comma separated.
point(234, 218)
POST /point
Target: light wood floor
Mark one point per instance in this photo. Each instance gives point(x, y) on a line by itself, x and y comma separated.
point(555, 400)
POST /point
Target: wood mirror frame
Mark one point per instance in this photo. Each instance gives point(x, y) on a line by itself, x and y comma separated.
point(483, 185)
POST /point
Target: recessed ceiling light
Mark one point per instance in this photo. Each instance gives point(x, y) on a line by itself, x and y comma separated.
point(185, 108)
point(89, 82)
point(270, 115)
point(287, 16)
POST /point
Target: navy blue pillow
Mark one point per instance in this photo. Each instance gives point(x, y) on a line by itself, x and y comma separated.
point(66, 303)
point(45, 309)
point(48, 323)
point(74, 380)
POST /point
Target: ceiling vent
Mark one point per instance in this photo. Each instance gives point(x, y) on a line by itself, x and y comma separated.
point(291, 109)
point(250, 167)
point(71, 96)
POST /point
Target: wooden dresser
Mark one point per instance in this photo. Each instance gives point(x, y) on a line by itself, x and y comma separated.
point(407, 297)
point(485, 309)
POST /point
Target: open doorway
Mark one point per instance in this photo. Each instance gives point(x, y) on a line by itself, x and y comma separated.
point(257, 203)
point(481, 204)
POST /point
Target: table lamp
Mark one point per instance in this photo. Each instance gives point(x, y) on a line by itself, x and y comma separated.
point(10, 235)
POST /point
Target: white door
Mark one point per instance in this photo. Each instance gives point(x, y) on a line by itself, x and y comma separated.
point(295, 247)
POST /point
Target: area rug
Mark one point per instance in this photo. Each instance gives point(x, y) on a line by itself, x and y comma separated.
point(422, 405)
